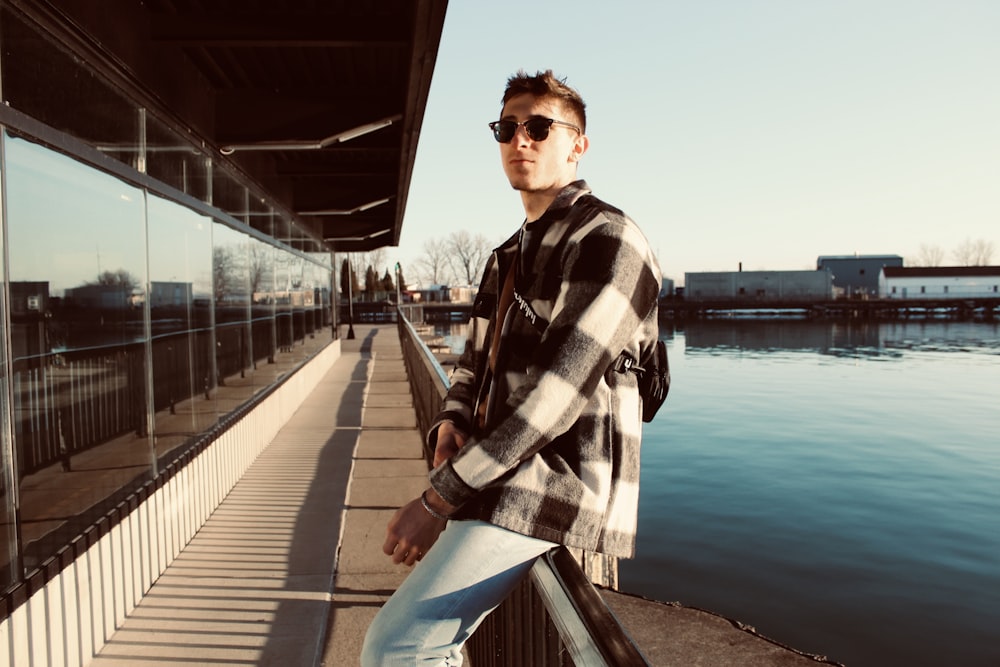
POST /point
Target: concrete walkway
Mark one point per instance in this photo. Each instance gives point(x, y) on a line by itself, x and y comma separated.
point(263, 582)
point(256, 585)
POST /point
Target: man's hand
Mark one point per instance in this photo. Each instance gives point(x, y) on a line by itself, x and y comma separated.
point(412, 531)
point(449, 441)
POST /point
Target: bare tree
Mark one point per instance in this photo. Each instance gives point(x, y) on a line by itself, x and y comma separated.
point(377, 259)
point(261, 268)
point(222, 268)
point(930, 255)
point(974, 253)
point(468, 254)
point(358, 262)
point(432, 267)
point(120, 278)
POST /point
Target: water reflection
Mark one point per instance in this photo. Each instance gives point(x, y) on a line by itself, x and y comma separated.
point(832, 337)
point(838, 338)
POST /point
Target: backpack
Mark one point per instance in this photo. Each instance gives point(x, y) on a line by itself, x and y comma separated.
point(653, 374)
point(654, 383)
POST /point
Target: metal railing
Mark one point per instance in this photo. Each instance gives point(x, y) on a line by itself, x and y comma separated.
point(555, 617)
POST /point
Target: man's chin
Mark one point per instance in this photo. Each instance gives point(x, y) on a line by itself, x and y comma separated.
point(522, 185)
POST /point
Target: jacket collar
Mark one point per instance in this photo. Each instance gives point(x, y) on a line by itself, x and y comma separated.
point(564, 201)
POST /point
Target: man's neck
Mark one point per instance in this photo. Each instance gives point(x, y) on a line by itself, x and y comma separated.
point(537, 202)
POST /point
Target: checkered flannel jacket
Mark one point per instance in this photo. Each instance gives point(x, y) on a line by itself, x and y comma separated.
point(557, 456)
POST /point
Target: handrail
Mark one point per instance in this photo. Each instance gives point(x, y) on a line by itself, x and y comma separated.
point(426, 352)
point(581, 613)
point(587, 629)
point(428, 381)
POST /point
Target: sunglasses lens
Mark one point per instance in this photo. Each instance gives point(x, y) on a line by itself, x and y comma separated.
point(537, 128)
point(503, 130)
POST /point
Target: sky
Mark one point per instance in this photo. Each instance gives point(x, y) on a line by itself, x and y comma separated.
point(759, 134)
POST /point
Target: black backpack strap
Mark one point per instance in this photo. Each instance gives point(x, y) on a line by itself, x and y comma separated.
point(625, 363)
point(654, 378)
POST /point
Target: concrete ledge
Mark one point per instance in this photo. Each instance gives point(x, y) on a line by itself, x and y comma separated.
point(670, 635)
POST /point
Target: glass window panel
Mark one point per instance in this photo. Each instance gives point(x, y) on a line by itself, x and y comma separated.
point(309, 296)
point(228, 194)
point(296, 286)
point(326, 291)
point(262, 308)
point(259, 215)
point(325, 287)
point(234, 361)
point(77, 271)
point(180, 311)
point(176, 162)
point(8, 543)
point(321, 289)
point(284, 269)
point(46, 82)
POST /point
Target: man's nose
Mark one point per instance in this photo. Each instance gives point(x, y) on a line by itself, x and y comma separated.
point(521, 135)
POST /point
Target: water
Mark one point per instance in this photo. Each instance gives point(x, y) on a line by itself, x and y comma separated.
point(836, 487)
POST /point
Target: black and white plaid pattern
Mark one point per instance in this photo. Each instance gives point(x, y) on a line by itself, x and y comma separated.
point(558, 458)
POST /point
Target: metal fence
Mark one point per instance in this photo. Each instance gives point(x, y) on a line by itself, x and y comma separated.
point(69, 401)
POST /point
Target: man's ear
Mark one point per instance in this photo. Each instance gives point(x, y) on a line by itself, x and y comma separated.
point(580, 147)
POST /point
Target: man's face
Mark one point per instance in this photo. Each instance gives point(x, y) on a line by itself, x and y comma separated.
point(540, 166)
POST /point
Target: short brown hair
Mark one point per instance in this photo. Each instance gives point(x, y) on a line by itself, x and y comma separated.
point(545, 84)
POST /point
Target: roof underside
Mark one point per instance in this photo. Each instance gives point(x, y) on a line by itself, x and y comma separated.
point(278, 88)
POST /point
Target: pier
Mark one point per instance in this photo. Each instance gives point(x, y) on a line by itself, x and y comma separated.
point(984, 309)
point(288, 570)
point(861, 309)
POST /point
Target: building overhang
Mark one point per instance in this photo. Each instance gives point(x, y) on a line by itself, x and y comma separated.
point(318, 104)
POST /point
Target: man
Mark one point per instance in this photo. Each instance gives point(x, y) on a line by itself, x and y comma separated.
point(538, 442)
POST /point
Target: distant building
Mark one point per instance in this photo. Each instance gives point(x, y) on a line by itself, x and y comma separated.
point(166, 294)
point(857, 275)
point(667, 288)
point(432, 294)
point(939, 282)
point(463, 293)
point(756, 287)
point(106, 297)
point(28, 298)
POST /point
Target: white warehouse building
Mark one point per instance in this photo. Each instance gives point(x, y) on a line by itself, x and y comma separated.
point(939, 282)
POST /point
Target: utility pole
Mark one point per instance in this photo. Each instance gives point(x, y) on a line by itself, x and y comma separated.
point(399, 298)
point(350, 299)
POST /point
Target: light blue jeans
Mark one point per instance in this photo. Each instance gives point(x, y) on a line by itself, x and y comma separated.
point(466, 574)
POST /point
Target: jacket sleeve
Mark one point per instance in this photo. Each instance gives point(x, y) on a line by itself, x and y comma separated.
point(460, 401)
point(609, 286)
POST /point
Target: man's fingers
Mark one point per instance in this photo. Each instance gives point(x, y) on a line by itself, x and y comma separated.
point(408, 557)
point(389, 546)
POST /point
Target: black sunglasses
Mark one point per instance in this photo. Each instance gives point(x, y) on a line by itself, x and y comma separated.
point(537, 128)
